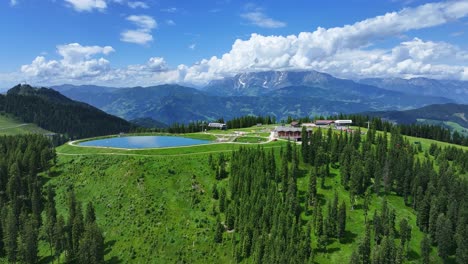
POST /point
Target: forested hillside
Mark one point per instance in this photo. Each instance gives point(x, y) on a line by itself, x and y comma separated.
point(29, 219)
point(452, 116)
point(337, 198)
point(52, 111)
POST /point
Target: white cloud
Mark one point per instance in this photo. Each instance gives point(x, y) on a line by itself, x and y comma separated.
point(192, 46)
point(170, 22)
point(255, 15)
point(325, 49)
point(144, 22)
point(342, 51)
point(258, 18)
point(13, 2)
point(136, 36)
point(138, 4)
point(77, 63)
point(142, 35)
point(87, 5)
point(74, 52)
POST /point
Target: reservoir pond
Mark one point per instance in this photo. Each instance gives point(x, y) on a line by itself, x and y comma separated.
point(142, 142)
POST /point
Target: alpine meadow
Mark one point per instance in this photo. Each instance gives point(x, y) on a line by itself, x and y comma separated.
point(170, 131)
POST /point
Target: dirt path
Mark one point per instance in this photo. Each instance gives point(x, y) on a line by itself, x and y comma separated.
point(3, 128)
point(150, 155)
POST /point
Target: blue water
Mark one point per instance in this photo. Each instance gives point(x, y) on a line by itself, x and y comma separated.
point(140, 142)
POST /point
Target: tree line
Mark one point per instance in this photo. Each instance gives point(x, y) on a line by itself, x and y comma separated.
point(386, 163)
point(61, 115)
point(271, 222)
point(28, 217)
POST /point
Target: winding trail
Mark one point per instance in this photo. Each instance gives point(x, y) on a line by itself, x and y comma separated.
point(20, 125)
point(73, 143)
point(152, 155)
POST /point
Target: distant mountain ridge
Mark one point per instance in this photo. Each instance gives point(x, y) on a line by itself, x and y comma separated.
point(279, 94)
point(452, 116)
point(55, 112)
point(452, 89)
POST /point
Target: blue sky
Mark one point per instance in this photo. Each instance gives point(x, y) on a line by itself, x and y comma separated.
point(128, 42)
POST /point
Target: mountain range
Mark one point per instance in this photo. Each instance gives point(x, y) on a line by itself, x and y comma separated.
point(452, 116)
point(452, 89)
point(277, 93)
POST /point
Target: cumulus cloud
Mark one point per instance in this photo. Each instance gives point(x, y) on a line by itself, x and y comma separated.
point(136, 36)
point(87, 5)
point(333, 50)
point(342, 51)
point(144, 22)
point(170, 22)
point(142, 35)
point(260, 19)
point(255, 15)
point(77, 62)
point(138, 4)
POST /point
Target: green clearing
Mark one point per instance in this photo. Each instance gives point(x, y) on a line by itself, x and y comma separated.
point(156, 205)
point(251, 139)
point(449, 124)
point(10, 126)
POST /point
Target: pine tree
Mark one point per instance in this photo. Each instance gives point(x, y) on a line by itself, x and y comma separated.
point(90, 214)
point(77, 230)
point(461, 254)
point(214, 191)
point(28, 242)
point(444, 236)
point(355, 258)
point(218, 238)
point(426, 250)
point(10, 235)
point(51, 217)
point(364, 248)
point(222, 200)
point(341, 227)
point(91, 245)
point(60, 239)
point(312, 187)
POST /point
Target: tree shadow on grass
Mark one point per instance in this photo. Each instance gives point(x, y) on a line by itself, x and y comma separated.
point(113, 260)
point(412, 255)
point(328, 250)
point(349, 237)
point(47, 259)
point(302, 173)
point(108, 245)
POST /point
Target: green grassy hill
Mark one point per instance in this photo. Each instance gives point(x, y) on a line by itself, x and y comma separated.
point(156, 206)
point(10, 126)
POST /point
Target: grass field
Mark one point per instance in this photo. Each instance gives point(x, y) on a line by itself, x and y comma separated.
point(10, 126)
point(449, 124)
point(145, 207)
point(155, 205)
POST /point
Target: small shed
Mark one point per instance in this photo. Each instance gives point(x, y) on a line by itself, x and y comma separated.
point(343, 122)
point(294, 124)
point(221, 126)
point(324, 123)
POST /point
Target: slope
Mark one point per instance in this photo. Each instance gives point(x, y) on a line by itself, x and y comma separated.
point(10, 126)
point(52, 111)
point(160, 208)
point(453, 89)
point(453, 116)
